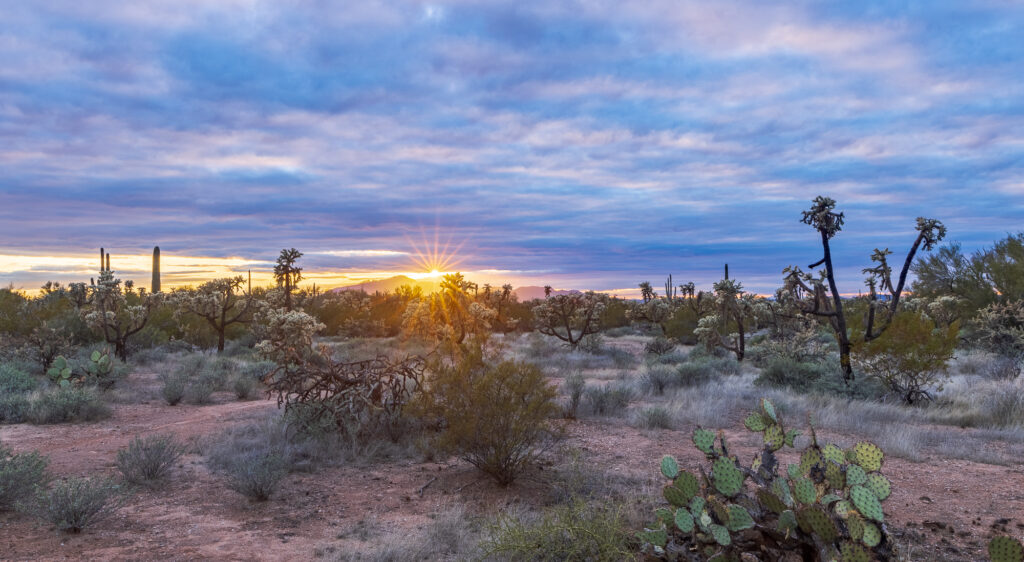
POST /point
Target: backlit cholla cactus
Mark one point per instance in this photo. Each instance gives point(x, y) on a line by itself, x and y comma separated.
point(221, 302)
point(570, 317)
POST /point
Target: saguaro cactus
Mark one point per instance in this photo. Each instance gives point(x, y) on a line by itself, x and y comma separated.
point(103, 263)
point(156, 269)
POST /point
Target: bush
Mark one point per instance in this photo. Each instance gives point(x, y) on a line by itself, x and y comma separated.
point(790, 373)
point(14, 380)
point(655, 418)
point(610, 399)
point(577, 531)
point(76, 503)
point(591, 343)
point(13, 407)
point(1001, 368)
point(246, 388)
point(659, 346)
point(148, 460)
point(574, 386)
point(20, 475)
point(200, 389)
point(174, 387)
point(910, 357)
point(656, 378)
point(495, 416)
point(257, 475)
point(694, 373)
point(66, 404)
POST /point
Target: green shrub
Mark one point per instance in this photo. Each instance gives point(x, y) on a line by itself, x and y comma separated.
point(257, 475)
point(13, 407)
point(14, 380)
point(76, 503)
point(610, 399)
point(20, 475)
point(173, 389)
point(66, 404)
point(148, 460)
point(910, 357)
point(670, 358)
point(592, 343)
point(495, 416)
point(576, 531)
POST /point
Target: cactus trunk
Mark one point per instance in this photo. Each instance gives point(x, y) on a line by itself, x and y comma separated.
point(156, 269)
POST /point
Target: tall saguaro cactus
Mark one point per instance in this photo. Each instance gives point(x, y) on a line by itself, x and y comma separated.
point(156, 269)
point(103, 263)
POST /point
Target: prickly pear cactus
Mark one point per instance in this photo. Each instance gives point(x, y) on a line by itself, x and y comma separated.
point(60, 371)
point(1005, 549)
point(828, 506)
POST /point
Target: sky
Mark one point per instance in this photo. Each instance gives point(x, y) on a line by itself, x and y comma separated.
point(589, 144)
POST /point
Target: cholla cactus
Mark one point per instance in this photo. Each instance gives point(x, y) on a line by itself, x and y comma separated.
point(220, 302)
point(118, 314)
point(733, 307)
point(826, 507)
point(449, 315)
point(570, 317)
point(288, 335)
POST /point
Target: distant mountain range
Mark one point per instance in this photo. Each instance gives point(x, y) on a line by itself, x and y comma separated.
point(432, 284)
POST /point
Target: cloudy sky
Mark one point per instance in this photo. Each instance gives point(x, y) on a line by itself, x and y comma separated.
point(580, 144)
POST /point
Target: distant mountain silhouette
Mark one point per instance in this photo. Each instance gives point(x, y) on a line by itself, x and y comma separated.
point(392, 283)
point(532, 292)
point(431, 284)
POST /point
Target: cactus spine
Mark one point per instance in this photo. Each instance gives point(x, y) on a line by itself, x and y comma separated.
point(156, 269)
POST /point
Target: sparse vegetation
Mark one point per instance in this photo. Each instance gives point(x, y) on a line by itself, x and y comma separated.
point(148, 460)
point(20, 475)
point(73, 504)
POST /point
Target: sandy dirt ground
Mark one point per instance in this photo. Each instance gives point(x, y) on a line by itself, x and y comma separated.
point(939, 510)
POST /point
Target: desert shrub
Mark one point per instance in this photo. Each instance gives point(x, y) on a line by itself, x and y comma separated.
point(20, 475)
point(257, 475)
point(655, 418)
point(659, 346)
point(147, 460)
point(781, 371)
point(1001, 367)
point(13, 407)
point(727, 366)
point(591, 343)
point(66, 404)
point(656, 378)
point(910, 357)
point(173, 388)
point(999, 328)
point(76, 503)
point(609, 399)
point(694, 373)
point(574, 387)
point(828, 503)
point(575, 531)
point(245, 387)
point(1005, 408)
point(150, 356)
point(15, 380)
point(200, 389)
point(276, 436)
point(494, 415)
point(701, 352)
point(670, 358)
point(619, 331)
point(256, 370)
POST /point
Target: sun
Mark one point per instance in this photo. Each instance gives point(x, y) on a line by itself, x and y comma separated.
point(434, 258)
